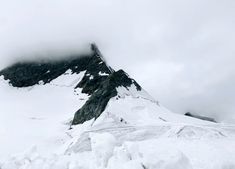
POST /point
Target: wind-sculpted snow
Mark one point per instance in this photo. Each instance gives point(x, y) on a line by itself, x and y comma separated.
point(106, 151)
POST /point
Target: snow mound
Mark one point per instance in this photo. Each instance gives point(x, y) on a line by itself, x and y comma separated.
point(104, 154)
point(142, 155)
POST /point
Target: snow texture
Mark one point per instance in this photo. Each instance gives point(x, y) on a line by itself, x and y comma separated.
point(134, 132)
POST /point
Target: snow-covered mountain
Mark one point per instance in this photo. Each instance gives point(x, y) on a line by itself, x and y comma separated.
point(79, 113)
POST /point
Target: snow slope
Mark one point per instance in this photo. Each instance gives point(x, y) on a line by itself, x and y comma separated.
point(133, 132)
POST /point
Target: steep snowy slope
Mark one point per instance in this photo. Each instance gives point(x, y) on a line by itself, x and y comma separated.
point(80, 113)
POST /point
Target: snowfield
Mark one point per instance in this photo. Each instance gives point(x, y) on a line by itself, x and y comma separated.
point(134, 132)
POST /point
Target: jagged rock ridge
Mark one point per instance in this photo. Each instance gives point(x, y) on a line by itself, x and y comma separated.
point(99, 81)
point(25, 74)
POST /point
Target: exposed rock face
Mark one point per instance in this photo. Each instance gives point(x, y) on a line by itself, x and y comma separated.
point(99, 99)
point(100, 81)
point(200, 117)
point(25, 74)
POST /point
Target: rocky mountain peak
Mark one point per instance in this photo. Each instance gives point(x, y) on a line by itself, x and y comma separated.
point(99, 81)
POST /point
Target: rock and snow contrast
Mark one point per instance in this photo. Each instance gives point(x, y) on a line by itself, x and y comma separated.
point(79, 113)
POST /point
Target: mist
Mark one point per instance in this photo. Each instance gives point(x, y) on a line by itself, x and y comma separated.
point(181, 52)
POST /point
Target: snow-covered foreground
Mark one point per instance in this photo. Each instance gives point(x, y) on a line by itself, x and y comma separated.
point(134, 132)
point(131, 147)
point(37, 115)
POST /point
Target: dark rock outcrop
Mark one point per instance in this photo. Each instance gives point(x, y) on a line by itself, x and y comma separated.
point(200, 117)
point(99, 99)
point(25, 74)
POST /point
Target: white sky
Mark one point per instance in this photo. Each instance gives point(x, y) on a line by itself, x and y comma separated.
point(181, 52)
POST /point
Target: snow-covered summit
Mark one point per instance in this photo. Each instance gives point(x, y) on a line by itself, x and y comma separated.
point(80, 113)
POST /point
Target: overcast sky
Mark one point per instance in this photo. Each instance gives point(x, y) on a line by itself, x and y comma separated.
point(181, 52)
